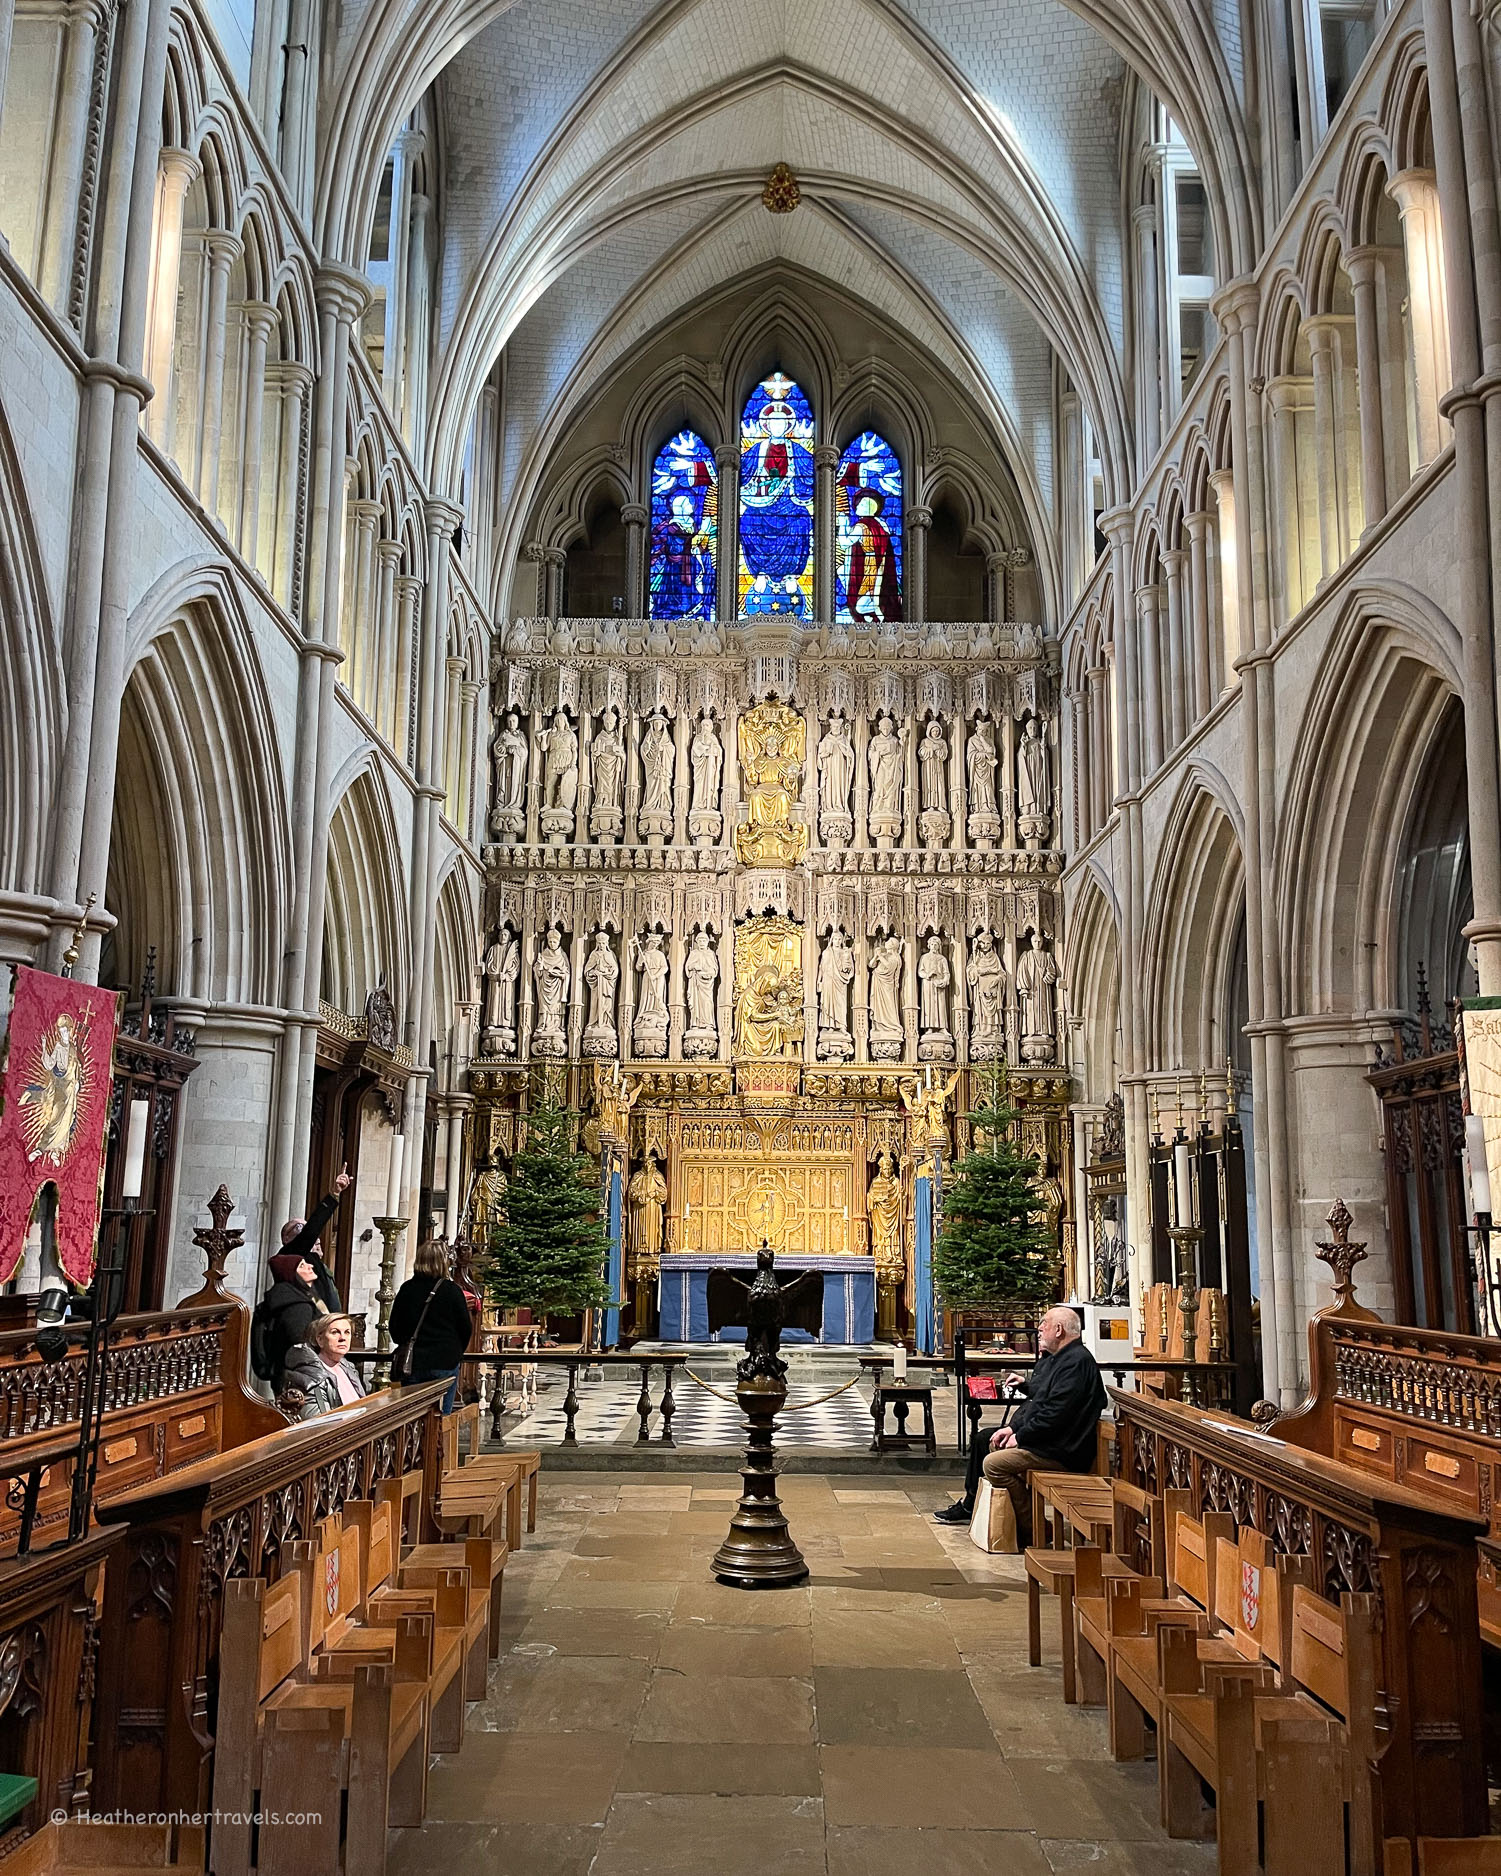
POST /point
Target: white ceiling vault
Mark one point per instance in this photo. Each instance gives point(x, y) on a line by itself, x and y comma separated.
point(959, 162)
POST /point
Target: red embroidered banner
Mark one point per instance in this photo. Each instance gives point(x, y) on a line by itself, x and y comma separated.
point(59, 1060)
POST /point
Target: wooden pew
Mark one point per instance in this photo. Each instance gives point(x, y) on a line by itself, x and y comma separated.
point(1055, 1571)
point(183, 1538)
point(1361, 1535)
point(529, 1462)
point(105, 1849)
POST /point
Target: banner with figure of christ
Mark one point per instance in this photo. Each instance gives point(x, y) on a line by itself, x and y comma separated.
point(54, 1111)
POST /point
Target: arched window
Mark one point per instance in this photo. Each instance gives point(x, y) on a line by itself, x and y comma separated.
point(868, 533)
point(775, 574)
point(684, 529)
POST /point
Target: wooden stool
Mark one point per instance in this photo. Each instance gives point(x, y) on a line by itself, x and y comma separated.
point(900, 1395)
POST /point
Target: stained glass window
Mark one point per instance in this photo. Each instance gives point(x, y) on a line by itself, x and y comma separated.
point(868, 533)
point(684, 529)
point(776, 502)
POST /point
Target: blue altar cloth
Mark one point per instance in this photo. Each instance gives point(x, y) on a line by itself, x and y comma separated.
point(849, 1296)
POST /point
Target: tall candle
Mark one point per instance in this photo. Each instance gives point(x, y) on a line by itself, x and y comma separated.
point(393, 1176)
point(1182, 1188)
point(135, 1151)
point(1480, 1172)
point(899, 1364)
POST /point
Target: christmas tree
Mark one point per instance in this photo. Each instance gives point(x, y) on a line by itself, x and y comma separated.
point(994, 1246)
point(550, 1252)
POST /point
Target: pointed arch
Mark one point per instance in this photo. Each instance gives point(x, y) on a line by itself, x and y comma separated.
point(365, 926)
point(1192, 926)
point(1093, 980)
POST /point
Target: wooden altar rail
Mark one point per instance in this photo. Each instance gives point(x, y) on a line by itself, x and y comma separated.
point(1421, 1407)
point(185, 1536)
point(1363, 1535)
point(175, 1393)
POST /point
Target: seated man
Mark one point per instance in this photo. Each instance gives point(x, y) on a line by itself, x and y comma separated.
point(1055, 1427)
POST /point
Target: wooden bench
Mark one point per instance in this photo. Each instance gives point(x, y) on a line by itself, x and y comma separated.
point(105, 1849)
point(1055, 1570)
point(386, 1573)
point(484, 1557)
point(1444, 1856)
point(522, 1467)
point(1213, 1725)
point(289, 1743)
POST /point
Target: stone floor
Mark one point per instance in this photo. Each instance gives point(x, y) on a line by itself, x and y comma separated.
point(882, 1721)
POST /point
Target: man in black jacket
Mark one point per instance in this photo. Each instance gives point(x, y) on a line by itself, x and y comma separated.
point(1056, 1427)
point(299, 1237)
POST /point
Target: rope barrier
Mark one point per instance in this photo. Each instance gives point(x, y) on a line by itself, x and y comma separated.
point(719, 1393)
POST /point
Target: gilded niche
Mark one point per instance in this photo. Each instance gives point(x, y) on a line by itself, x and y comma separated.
point(773, 745)
point(768, 990)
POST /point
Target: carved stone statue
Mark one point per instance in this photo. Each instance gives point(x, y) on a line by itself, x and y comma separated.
point(1034, 790)
point(502, 969)
point(883, 1209)
point(655, 819)
point(887, 1035)
point(701, 976)
point(607, 773)
point(836, 972)
point(706, 757)
point(884, 757)
point(934, 976)
point(773, 740)
point(934, 822)
point(986, 977)
point(980, 761)
point(508, 764)
point(560, 778)
point(836, 775)
point(550, 974)
point(647, 1196)
point(1036, 974)
point(601, 974)
point(650, 958)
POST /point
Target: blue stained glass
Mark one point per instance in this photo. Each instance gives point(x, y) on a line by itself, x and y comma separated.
point(775, 574)
point(868, 533)
point(684, 529)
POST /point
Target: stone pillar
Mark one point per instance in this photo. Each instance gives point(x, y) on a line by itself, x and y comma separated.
point(1178, 682)
point(861, 740)
point(1415, 193)
point(222, 250)
point(1149, 361)
point(295, 382)
point(453, 692)
point(1295, 576)
point(860, 988)
point(635, 517)
point(1205, 639)
point(632, 738)
point(1149, 627)
point(1222, 481)
point(416, 321)
point(294, 139)
point(727, 460)
point(408, 601)
point(382, 686)
point(176, 173)
point(393, 358)
point(1099, 748)
point(555, 560)
point(995, 588)
point(825, 462)
point(915, 596)
point(911, 789)
point(1363, 266)
point(1322, 342)
point(65, 176)
point(260, 321)
point(681, 784)
point(358, 625)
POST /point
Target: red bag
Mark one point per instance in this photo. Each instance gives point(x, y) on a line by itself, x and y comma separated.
point(982, 1387)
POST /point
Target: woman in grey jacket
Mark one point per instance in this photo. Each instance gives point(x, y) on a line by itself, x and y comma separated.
point(317, 1372)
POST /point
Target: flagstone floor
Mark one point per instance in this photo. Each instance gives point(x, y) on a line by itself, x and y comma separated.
point(643, 1720)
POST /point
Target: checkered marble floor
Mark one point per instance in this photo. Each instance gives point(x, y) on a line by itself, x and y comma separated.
point(607, 1415)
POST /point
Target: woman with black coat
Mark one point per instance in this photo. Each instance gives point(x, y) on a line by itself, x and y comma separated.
point(432, 1313)
point(290, 1308)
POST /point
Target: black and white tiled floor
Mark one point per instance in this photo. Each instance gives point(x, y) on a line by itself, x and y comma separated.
point(607, 1415)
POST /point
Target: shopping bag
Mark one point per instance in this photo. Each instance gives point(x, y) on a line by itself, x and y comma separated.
point(993, 1526)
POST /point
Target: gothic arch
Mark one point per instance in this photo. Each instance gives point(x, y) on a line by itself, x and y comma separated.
point(365, 928)
point(1092, 949)
point(1192, 921)
point(32, 687)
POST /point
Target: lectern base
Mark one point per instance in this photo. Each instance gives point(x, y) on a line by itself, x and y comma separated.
point(758, 1552)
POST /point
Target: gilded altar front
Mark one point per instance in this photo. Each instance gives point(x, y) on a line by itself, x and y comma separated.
point(796, 1182)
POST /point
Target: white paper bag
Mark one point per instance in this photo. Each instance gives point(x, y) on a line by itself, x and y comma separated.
point(993, 1526)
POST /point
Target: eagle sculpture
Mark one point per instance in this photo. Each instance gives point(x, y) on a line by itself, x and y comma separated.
point(763, 1308)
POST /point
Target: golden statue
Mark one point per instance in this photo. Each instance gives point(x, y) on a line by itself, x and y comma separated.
point(768, 990)
point(614, 1096)
point(773, 743)
point(926, 1102)
point(647, 1193)
point(883, 1207)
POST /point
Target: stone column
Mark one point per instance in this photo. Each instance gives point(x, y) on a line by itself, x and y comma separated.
point(677, 999)
point(632, 738)
point(408, 601)
point(1222, 481)
point(295, 382)
point(453, 693)
point(1149, 628)
point(222, 250)
point(1149, 362)
point(176, 173)
point(260, 321)
point(65, 175)
point(860, 1001)
point(1363, 265)
point(681, 782)
point(635, 517)
point(393, 358)
point(1321, 348)
point(555, 560)
point(911, 791)
point(359, 621)
point(1206, 678)
point(995, 588)
point(416, 322)
point(1099, 748)
point(1415, 193)
point(825, 462)
point(958, 781)
point(915, 596)
point(861, 809)
point(384, 680)
point(727, 460)
point(1294, 577)
point(1178, 681)
point(294, 140)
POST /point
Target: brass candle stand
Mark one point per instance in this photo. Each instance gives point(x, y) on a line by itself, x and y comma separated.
point(1186, 1261)
point(390, 1230)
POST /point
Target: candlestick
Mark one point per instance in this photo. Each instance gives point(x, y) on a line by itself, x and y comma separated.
point(390, 1228)
point(135, 1150)
point(1182, 1180)
point(899, 1364)
point(393, 1175)
point(1480, 1172)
